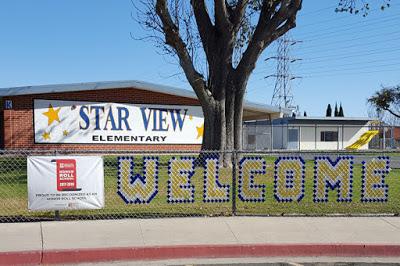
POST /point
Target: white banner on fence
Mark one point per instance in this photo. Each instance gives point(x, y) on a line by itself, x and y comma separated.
point(114, 123)
point(65, 182)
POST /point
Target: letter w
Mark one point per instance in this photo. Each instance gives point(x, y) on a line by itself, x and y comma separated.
point(137, 188)
point(176, 116)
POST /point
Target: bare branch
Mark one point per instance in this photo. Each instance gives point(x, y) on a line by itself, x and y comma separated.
point(205, 26)
point(392, 112)
point(271, 25)
point(174, 40)
point(237, 14)
point(222, 17)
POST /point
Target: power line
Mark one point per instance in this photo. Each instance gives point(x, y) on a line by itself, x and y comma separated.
point(332, 58)
point(354, 39)
point(355, 68)
point(352, 55)
point(346, 53)
point(313, 36)
point(330, 69)
point(361, 65)
point(318, 10)
point(311, 75)
point(353, 63)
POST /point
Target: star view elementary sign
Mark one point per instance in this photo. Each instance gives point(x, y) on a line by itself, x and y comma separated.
point(97, 123)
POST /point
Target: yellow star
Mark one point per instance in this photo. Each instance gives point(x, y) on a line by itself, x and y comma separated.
point(46, 135)
point(52, 115)
point(200, 131)
point(65, 132)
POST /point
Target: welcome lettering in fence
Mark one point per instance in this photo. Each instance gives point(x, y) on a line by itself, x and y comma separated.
point(289, 173)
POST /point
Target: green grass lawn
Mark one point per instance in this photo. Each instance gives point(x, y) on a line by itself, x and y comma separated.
point(13, 195)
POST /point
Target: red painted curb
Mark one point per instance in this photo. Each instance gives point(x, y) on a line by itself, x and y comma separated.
point(21, 257)
point(199, 251)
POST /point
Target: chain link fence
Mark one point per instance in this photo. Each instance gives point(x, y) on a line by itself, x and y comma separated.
point(221, 184)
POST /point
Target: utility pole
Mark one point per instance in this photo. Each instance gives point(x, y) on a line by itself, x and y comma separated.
point(283, 95)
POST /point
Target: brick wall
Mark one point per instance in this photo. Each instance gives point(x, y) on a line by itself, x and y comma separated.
point(18, 132)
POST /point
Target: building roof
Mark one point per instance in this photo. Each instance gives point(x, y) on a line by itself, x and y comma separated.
point(323, 120)
point(256, 110)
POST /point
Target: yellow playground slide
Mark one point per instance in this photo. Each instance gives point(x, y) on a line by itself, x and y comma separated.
point(363, 140)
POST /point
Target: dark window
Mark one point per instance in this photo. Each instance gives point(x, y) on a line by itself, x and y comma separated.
point(329, 136)
point(293, 135)
point(251, 139)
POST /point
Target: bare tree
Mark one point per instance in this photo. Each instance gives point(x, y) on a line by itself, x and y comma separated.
point(217, 44)
point(232, 35)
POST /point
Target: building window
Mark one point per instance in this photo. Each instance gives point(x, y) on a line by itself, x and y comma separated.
point(251, 139)
point(329, 136)
point(293, 135)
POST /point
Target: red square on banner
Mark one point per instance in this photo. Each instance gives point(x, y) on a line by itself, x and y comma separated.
point(66, 174)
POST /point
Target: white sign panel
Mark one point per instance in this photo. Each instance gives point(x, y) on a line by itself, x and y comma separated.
point(65, 182)
point(113, 123)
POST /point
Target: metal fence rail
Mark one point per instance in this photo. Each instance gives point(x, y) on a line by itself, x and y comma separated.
point(212, 184)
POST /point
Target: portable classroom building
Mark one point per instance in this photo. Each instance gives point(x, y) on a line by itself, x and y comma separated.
point(305, 133)
point(318, 133)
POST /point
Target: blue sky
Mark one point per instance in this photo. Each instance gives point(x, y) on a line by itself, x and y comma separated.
point(345, 58)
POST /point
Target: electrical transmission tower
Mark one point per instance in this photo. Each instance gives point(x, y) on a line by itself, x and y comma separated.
point(283, 95)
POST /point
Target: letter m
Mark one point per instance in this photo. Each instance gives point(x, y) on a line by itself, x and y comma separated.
point(331, 175)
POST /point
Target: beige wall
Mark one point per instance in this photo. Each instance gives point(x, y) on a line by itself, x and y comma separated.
point(347, 135)
point(310, 136)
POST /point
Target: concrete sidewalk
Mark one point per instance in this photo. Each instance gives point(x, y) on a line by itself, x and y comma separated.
point(169, 238)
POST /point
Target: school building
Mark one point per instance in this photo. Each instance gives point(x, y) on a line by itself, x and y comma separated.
point(308, 133)
point(120, 115)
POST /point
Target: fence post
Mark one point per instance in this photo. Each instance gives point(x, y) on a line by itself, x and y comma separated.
point(57, 216)
point(298, 138)
point(315, 136)
point(337, 142)
point(384, 138)
point(342, 137)
point(234, 162)
point(272, 137)
point(392, 143)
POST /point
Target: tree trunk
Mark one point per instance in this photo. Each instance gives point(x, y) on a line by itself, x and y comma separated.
point(214, 138)
point(223, 126)
point(238, 123)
